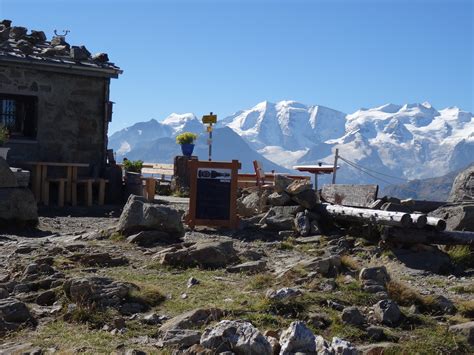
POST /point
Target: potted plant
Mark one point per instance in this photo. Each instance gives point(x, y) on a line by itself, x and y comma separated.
point(186, 139)
point(4, 135)
point(133, 176)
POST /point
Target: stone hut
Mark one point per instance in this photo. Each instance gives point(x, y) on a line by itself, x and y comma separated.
point(54, 98)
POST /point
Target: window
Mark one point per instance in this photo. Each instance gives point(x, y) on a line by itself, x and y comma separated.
point(18, 114)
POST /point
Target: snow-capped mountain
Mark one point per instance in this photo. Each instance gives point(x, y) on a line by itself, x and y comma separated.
point(411, 141)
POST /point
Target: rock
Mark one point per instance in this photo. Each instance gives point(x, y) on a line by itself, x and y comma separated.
point(151, 238)
point(377, 349)
point(443, 305)
point(252, 204)
point(180, 338)
point(59, 41)
point(192, 318)
point(4, 33)
point(375, 333)
point(248, 267)
point(302, 224)
point(464, 329)
point(280, 217)
point(18, 206)
point(352, 315)
point(378, 274)
point(457, 217)
point(192, 281)
point(46, 298)
point(14, 311)
point(324, 266)
point(38, 36)
point(100, 291)
point(307, 198)
point(274, 343)
point(239, 337)
point(205, 253)
point(387, 312)
point(319, 320)
point(101, 57)
point(297, 338)
point(18, 32)
point(281, 182)
point(7, 177)
point(283, 294)
point(79, 53)
point(25, 47)
point(101, 259)
point(430, 259)
point(342, 347)
point(152, 319)
point(3, 293)
point(279, 199)
point(138, 215)
point(463, 186)
point(298, 186)
point(129, 308)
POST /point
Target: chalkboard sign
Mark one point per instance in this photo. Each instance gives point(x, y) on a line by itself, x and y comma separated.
point(213, 198)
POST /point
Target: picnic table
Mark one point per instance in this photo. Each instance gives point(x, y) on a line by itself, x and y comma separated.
point(40, 179)
point(317, 169)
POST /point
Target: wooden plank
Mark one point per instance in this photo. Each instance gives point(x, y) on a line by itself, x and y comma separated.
point(350, 195)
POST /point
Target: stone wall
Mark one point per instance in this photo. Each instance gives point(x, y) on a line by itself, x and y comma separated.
point(71, 124)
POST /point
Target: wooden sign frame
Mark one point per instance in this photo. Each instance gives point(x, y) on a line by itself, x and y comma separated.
point(233, 220)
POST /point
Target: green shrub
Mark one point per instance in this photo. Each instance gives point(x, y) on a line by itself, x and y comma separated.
point(133, 166)
point(3, 135)
point(186, 138)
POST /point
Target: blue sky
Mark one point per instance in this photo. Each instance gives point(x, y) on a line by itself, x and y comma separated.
point(225, 55)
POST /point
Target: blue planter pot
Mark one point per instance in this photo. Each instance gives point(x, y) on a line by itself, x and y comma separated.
point(187, 149)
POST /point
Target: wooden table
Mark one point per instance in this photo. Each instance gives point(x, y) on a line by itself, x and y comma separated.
point(41, 174)
point(318, 169)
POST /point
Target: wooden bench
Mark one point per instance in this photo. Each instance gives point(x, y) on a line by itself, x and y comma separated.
point(161, 170)
point(88, 183)
point(61, 189)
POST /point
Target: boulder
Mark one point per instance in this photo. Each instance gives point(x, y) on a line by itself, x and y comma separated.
point(79, 53)
point(377, 348)
point(463, 186)
point(150, 238)
point(279, 199)
point(280, 217)
point(101, 291)
point(306, 198)
point(378, 274)
point(7, 177)
point(238, 337)
point(281, 182)
point(387, 312)
point(352, 315)
point(14, 311)
point(323, 266)
point(248, 267)
point(180, 338)
point(100, 259)
point(283, 294)
point(297, 338)
point(252, 203)
point(193, 318)
point(343, 347)
point(464, 329)
point(138, 214)
point(298, 186)
point(18, 206)
point(457, 217)
point(205, 253)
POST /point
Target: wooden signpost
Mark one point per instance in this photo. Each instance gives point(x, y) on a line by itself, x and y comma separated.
point(213, 193)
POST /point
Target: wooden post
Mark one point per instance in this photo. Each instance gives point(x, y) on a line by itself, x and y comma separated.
point(336, 157)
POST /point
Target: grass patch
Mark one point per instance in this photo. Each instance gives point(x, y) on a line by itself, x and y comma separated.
point(93, 317)
point(147, 294)
point(462, 256)
point(117, 237)
point(350, 262)
point(406, 296)
point(260, 282)
point(286, 245)
point(469, 289)
point(466, 308)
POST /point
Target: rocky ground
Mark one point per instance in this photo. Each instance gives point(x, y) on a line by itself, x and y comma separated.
point(76, 285)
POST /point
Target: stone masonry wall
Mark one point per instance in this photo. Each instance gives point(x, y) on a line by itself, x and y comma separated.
point(70, 115)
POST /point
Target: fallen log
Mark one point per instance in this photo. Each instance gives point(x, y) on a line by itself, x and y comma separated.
point(398, 219)
point(438, 223)
point(417, 236)
point(419, 220)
